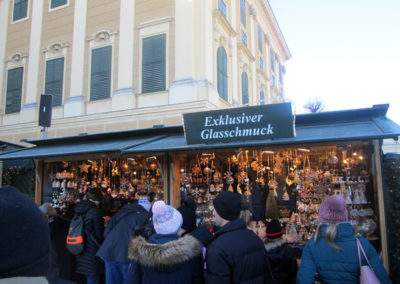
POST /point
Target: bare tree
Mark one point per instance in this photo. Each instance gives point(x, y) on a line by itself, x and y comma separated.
point(314, 104)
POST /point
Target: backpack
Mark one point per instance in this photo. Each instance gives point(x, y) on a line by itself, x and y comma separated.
point(75, 237)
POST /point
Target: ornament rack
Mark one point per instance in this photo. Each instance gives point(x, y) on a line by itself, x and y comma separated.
point(120, 179)
point(288, 183)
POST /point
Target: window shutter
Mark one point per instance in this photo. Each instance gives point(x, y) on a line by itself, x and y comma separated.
point(272, 60)
point(100, 78)
point(243, 12)
point(54, 80)
point(260, 37)
point(154, 64)
point(262, 98)
point(14, 90)
point(57, 3)
point(20, 9)
point(245, 89)
point(222, 73)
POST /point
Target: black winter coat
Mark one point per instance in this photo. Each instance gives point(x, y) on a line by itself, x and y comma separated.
point(236, 255)
point(64, 260)
point(119, 232)
point(87, 263)
point(282, 261)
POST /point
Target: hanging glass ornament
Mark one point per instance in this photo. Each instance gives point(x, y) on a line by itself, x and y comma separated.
point(285, 196)
point(153, 166)
point(356, 197)
point(363, 198)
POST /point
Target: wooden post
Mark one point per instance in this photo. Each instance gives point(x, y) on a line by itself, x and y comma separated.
point(381, 204)
point(39, 182)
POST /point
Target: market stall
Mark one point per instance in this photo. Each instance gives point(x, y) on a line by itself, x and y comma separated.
point(282, 165)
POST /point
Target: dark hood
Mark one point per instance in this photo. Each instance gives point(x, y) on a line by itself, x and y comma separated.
point(164, 252)
point(133, 208)
point(83, 206)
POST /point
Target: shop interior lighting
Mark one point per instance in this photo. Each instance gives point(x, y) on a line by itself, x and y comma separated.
point(303, 150)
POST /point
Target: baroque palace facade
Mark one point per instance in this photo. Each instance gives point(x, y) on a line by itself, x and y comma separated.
point(127, 64)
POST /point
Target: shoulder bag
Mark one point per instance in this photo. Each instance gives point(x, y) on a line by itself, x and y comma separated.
point(367, 275)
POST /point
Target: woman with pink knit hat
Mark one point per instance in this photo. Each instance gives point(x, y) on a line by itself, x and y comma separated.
point(333, 253)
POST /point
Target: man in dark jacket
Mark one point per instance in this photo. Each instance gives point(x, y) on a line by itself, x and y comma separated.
point(114, 250)
point(235, 254)
point(62, 260)
point(87, 263)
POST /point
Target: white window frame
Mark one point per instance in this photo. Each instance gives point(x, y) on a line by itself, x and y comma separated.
point(22, 19)
point(153, 28)
point(55, 51)
point(15, 60)
point(97, 40)
point(59, 7)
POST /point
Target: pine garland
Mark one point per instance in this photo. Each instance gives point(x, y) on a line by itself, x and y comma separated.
point(21, 177)
point(271, 211)
point(391, 167)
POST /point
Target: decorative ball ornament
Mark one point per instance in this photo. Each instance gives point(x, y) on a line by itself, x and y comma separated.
point(153, 166)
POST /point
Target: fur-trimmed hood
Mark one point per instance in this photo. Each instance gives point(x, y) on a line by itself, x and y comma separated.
point(273, 244)
point(165, 254)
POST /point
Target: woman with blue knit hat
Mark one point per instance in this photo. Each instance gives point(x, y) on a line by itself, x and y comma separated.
point(165, 258)
point(332, 252)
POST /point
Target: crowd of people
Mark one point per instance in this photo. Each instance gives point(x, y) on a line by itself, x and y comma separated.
point(152, 242)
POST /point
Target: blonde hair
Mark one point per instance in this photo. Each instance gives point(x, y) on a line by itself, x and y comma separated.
point(330, 235)
point(246, 216)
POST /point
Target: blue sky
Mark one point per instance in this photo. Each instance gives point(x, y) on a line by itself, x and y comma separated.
point(346, 52)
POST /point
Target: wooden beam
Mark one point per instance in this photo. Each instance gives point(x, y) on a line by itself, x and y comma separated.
point(381, 204)
point(39, 182)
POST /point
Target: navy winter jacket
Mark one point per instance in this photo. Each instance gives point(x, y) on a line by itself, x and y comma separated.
point(119, 232)
point(236, 255)
point(338, 266)
point(165, 259)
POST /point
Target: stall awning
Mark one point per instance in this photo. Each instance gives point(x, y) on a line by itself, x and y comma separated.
point(79, 147)
point(346, 125)
point(378, 128)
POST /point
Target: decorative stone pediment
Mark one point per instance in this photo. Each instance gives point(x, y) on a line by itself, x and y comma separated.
point(104, 36)
point(56, 47)
point(267, 39)
point(253, 11)
point(16, 58)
